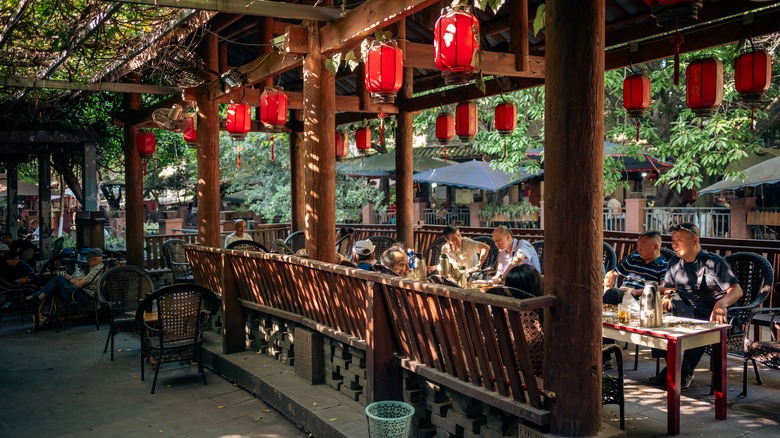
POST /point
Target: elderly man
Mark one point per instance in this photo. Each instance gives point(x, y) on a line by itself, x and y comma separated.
point(395, 258)
point(512, 252)
point(363, 254)
point(75, 289)
point(239, 233)
point(645, 264)
point(698, 284)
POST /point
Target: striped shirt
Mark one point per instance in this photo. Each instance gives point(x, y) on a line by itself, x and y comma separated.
point(636, 271)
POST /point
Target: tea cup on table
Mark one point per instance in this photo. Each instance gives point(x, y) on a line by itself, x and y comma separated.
point(624, 314)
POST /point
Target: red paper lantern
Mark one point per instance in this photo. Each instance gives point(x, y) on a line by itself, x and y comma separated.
point(239, 120)
point(674, 13)
point(456, 43)
point(363, 139)
point(273, 108)
point(466, 121)
point(636, 95)
point(145, 145)
point(704, 86)
point(384, 71)
point(190, 134)
point(445, 128)
point(752, 74)
point(342, 145)
point(505, 118)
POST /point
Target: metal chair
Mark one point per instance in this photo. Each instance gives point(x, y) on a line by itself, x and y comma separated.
point(382, 244)
point(176, 259)
point(172, 321)
point(120, 290)
point(247, 245)
point(539, 247)
point(296, 241)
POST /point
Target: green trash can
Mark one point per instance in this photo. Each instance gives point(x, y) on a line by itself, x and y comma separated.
point(389, 419)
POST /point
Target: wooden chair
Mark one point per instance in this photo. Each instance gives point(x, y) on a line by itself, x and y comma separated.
point(381, 244)
point(296, 241)
point(172, 321)
point(176, 259)
point(119, 291)
point(247, 245)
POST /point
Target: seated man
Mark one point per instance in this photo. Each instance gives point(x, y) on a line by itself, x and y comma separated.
point(12, 269)
point(75, 289)
point(698, 284)
point(467, 253)
point(645, 264)
point(363, 254)
point(239, 233)
point(512, 252)
point(395, 258)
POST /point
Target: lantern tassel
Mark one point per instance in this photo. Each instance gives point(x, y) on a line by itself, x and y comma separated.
point(752, 113)
point(362, 160)
point(677, 40)
point(272, 149)
point(445, 153)
point(239, 159)
point(505, 149)
point(382, 128)
point(638, 124)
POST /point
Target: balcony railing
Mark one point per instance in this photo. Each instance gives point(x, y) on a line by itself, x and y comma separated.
point(712, 221)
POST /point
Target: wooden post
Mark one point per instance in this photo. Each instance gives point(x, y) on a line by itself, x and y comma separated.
point(44, 203)
point(12, 181)
point(404, 186)
point(233, 324)
point(574, 127)
point(208, 153)
point(518, 33)
point(383, 376)
point(134, 193)
point(297, 192)
point(319, 102)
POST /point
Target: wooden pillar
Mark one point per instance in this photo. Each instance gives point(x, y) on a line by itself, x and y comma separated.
point(518, 32)
point(89, 177)
point(12, 181)
point(44, 204)
point(404, 186)
point(208, 153)
point(297, 192)
point(319, 126)
point(134, 190)
point(574, 127)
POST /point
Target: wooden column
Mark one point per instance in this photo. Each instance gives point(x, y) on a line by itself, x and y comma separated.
point(208, 153)
point(319, 126)
point(89, 177)
point(518, 32)
point(12, 181)
point(404, 186)
point(134, 189)
point(297, 192)
point(44, 203)
point(574, 136)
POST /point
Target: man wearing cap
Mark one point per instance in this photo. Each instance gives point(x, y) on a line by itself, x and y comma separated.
point(363, 254)
point(75, 289)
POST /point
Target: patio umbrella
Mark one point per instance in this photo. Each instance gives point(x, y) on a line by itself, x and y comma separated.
point(384, 165)
point(767, 172)
point(474, 175)
point(754, 158)
point(631, 164)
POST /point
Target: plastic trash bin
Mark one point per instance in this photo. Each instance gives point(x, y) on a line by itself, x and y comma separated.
point(389, 419)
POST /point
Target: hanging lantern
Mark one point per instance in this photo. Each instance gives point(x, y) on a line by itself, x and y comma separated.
point(190, 133)
point(273, 111)
point(752, 74)
point(239, 120)
point(505, 118)
point(456, 43)
point(145, 145)
point(466, 121)
point(384, 71)
point(363, 142)
point(674, 13)
point(704, 86)
point(342, 145)
point(636, 97)
point(445, 128)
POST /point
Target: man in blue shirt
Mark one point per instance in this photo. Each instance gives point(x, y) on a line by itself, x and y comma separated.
point(645, 264)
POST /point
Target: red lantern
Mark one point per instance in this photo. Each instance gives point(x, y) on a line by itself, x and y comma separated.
point(384, 71)
point(273, 108)
point(445, 128)
point(456, 43)
point(239, 120)
point(466, 121)
point(505, 116)
point(674, 13)
point(752, 74)
point(636, 97)
point(704, 86)
point(342, 145)
point(363, 139)
point(190, 134)
point(145, 145)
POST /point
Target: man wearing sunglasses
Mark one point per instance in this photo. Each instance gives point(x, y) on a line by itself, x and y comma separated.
point(698, 284)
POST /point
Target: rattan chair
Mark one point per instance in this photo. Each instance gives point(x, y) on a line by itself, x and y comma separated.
point(533, 323)
point(433, 251)
point(382, 244)
point(765, 352)
point(440, 279)
point(612, 382)
point(343, 245)
point(296, 241)
point(488, 267)
point(13, 301)
point(172, 321)
point(610, 257)
point(176, 259)
point(539, 247)
point(279, 247)
point(247, 245)
point(668, 253)
point(382, 269)
point(119, 292)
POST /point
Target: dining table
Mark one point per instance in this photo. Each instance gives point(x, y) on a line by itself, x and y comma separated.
point(675, 337)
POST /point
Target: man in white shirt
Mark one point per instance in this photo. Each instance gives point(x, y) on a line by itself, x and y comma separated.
point(239, 233)
point(512, 252)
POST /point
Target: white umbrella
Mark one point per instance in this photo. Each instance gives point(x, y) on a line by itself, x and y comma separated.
point(474, 175)
point(767, 172)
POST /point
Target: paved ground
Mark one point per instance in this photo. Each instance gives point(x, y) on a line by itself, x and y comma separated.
point(61, 384)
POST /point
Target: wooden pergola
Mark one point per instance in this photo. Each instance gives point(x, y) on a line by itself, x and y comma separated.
point(581, 40)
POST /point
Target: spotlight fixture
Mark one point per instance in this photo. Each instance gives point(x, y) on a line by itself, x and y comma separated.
point(232, 79)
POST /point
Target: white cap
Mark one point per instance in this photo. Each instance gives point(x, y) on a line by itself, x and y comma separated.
point(363, 247)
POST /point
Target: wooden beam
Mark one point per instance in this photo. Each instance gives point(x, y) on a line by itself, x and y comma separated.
point(295, 101)
point(115, 87)
point(255, 7)
point(40, 137)
point(493, 63)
